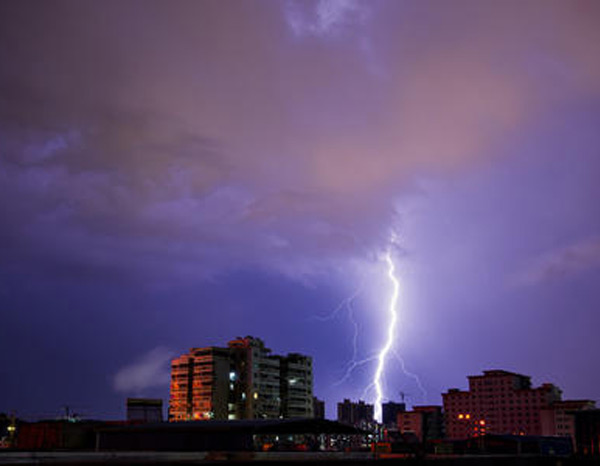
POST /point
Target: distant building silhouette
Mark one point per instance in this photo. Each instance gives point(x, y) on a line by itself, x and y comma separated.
point(145, 409)
point(389, 413)
point(242, 381)
point(318, 408)
point(497, 402)
point(354, 414)
point(424, 422)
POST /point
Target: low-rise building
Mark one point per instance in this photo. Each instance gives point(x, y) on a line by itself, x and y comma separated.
point(144, 409)
point(559, 420)
point(423, 422)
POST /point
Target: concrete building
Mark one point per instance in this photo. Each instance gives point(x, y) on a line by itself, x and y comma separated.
point(200, 385)
point(296, 386)
point(242, 381)
point(256, 379)
point(497, 402)
point(559, 420)
point(389, 413)
point(354, 414)
point(424, 422)
point(144, 409)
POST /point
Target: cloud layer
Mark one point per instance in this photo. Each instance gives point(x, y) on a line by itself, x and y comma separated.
point(151, 370)
point(236, 134)
point(164, 164)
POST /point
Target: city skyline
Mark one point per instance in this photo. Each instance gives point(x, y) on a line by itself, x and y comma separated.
point(174, 174)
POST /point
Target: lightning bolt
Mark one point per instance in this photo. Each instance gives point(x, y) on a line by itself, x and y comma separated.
point(382, 356)
point(348, 304)
point(393, 316)
point(413, 376)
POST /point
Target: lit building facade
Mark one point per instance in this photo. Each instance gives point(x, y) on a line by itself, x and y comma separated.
point(242, 381)
point(497, 402)
point(200, 385)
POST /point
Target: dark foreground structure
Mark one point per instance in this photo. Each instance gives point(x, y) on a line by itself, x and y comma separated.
point(243, 435)
point(273, 459)
point(587, 433)
point(268, 442)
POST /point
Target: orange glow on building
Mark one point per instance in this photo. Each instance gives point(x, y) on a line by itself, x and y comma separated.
point(242, 381)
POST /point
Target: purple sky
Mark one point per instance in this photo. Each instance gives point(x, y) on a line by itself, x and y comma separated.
point(176, 174)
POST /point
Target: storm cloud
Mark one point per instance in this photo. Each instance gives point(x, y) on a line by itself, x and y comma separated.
point(195, 139)
point(152, 145)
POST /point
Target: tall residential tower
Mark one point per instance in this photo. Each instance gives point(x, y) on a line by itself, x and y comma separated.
point(242, 381)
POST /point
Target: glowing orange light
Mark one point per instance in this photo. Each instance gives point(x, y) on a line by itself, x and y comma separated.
point(482, 422)
point(468, 416)
point(460, 416)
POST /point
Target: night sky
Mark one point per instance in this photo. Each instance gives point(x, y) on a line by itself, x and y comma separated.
point(179, 173)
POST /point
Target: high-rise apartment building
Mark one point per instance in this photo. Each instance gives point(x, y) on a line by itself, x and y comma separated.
point(497, 402)
point(242, 381)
